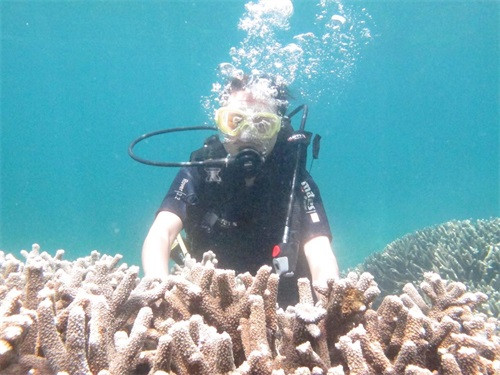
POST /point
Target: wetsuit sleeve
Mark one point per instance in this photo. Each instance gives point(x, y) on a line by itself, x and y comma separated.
point(314, 220)
point(182, 193)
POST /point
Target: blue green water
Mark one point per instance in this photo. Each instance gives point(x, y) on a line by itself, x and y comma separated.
point(410, 140)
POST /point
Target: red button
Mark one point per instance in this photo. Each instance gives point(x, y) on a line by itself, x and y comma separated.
point(276, 251)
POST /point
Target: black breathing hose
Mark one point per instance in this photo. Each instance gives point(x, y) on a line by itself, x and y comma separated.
point(301, 149)
point(173, 164)
point(207, 163)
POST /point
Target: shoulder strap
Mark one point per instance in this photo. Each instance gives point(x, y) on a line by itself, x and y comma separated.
point(285, 132)
point(212, 148)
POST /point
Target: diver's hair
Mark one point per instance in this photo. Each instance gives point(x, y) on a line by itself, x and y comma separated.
point(282, 93)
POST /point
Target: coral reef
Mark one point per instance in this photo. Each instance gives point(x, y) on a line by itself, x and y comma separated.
point(465, 251)
point(94, 316)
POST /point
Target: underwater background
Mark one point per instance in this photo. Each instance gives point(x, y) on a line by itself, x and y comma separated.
point(409, 120)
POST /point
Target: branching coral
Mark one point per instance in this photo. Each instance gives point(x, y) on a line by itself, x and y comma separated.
point(465, 251)
point(93, 316)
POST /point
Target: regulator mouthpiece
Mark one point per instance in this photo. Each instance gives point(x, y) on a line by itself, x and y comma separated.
point(249, 161)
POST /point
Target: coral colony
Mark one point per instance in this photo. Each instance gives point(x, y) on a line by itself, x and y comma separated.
point(467, 250)
point(94, 316)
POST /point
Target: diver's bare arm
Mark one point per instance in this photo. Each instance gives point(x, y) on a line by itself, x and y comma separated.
point(156, 247)
point(321, 260)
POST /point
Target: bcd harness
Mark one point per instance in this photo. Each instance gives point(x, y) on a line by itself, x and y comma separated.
point(284, 253)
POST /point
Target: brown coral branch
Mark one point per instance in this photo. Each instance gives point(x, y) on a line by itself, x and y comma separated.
point(204, 320)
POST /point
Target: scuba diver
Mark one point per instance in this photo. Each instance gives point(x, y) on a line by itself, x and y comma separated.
point(239, 209)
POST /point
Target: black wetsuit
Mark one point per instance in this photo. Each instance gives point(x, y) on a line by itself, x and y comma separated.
point(240, 223)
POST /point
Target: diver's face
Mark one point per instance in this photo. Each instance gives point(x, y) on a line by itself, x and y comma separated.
point(249, 136)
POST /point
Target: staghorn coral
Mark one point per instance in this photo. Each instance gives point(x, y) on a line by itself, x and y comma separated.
point(466, 251)
point(94, 316)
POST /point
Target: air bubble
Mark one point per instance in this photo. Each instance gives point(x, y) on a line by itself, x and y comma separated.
point(315, 63)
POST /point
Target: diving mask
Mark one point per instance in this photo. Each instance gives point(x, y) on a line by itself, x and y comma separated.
point(262, 125)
